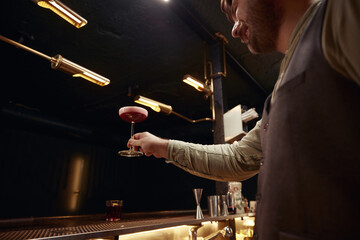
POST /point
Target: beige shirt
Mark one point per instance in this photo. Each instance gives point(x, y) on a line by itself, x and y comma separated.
point(241, 160)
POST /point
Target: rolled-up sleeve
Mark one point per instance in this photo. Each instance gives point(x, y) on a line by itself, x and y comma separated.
point(222, 162)
point(341, 36)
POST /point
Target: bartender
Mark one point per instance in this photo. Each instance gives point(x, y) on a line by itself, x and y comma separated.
point(305, 147)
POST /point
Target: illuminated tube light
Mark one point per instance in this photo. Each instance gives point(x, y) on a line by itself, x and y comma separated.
point(63, 11)
point(154, 105)
point(167, 109)
point(194, 83)
point(60, 63)
point(198, 85)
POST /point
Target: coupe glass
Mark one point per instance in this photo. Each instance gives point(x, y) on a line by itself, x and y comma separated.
point(132, 114)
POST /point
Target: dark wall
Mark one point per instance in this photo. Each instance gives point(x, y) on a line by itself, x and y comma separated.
point(46, 171)
point(52, 167)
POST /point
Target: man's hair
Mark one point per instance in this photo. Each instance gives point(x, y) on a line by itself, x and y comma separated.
point(226, 7)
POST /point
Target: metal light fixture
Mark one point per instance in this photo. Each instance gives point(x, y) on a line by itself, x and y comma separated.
point(60, 63)
point(208, 85)
point(63, 11)
point(198, 85)
point(154, 105)
point(161, 107)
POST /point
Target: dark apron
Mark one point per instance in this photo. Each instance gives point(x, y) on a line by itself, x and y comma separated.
point(309, 179)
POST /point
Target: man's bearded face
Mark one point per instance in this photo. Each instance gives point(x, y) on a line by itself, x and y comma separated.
point(256, 22)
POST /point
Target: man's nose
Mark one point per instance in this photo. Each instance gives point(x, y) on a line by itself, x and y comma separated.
point(236, 29)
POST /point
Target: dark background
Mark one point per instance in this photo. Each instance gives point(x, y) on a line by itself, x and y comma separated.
point(60, 135)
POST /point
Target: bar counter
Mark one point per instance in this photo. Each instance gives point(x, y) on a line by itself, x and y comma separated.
point(96, 227)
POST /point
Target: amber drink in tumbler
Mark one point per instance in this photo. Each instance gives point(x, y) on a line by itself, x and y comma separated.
point(113, 210)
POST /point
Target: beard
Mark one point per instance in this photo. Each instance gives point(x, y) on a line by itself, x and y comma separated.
point(264, 18)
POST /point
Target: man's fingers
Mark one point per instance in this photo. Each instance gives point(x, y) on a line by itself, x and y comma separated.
point(136, 136)
point(133, 143)
point(143, 142)
point(139, 135)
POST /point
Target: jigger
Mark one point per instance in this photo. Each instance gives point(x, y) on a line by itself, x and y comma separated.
point(224, 207)
point(197, 193)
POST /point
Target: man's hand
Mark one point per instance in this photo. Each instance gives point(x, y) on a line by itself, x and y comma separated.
point(149, 144)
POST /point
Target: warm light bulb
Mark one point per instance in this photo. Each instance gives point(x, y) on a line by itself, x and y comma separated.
point(60, 63)
point(154, 105)
point(197, 85)
point(146, 102)
point(95, 78)
point(63, 11)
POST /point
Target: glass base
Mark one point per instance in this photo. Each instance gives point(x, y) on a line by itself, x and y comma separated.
point(130, 153)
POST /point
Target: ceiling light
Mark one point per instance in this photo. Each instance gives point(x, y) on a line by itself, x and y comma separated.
point(63, 11)
point(60, 63)
point(198, 85)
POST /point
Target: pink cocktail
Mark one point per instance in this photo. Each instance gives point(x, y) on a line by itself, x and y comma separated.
point(132, 114)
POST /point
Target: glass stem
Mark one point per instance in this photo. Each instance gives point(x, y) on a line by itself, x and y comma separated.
point(132, 133)
point(132, 129)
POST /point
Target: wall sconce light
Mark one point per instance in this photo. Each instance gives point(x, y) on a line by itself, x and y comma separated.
point(161, 107)
point(60, 63)
point(207, 87)
point(198, 85)
point(63, 11)
point(154, 105)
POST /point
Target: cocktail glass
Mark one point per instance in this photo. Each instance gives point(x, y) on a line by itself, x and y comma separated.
point(132, 114)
